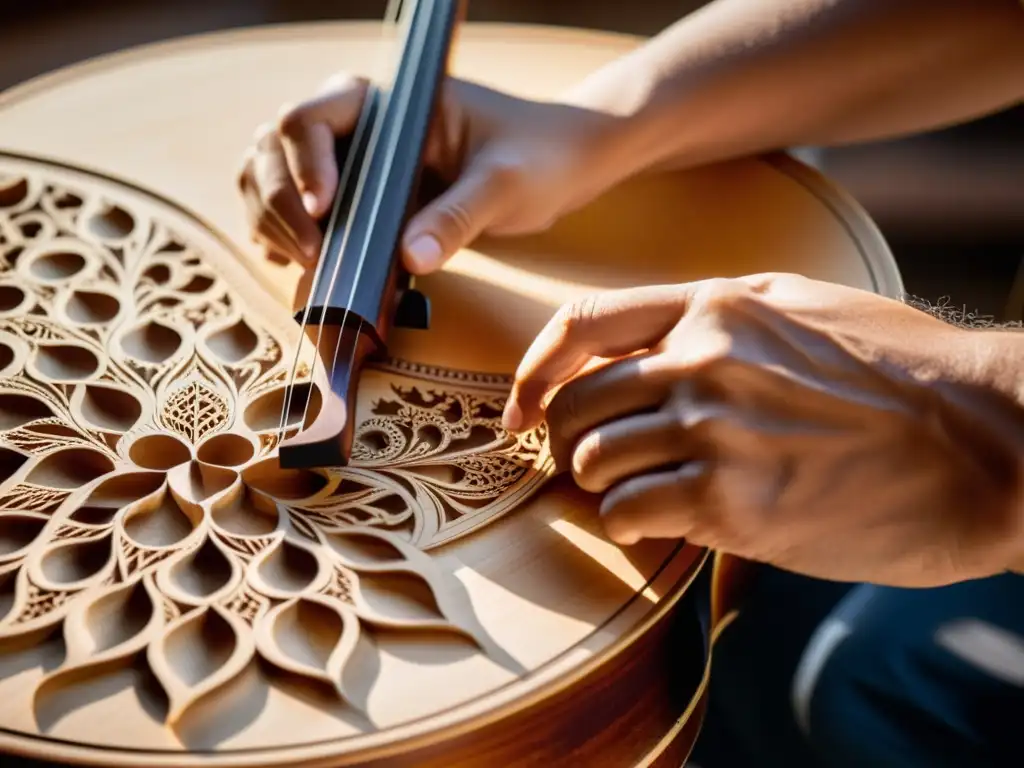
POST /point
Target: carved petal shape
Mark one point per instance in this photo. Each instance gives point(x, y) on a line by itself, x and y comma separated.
point(114, 493)
point(400, 598)
point(413, 593)
point(159, 452)
point(295, 485)
point(57, 265)
point(18, 530)
point(106, 408)
point(234, 344)
point(66, 362)
point(70, 469)
point(226, 450)
point(75, 562)
point(197, 654)
point(264, 413)
point(17, 410)
point(106, 627)
point(8, 594)
point(366, 549)
point(10, 463)
point(152, 342)
point(198, 482)
point(312, 637)
point(6, 356)
point(13, 299)
point(159, 521)
point(12, 191)
point(117, 621)
point(200, 576)
point(112, 222)
point(92, 307)
point(244, 513)
point(286, 569)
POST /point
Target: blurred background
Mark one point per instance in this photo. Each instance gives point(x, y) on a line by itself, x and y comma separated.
point(951, 204)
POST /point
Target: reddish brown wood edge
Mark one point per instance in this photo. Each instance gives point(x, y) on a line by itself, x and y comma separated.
point(641, 708)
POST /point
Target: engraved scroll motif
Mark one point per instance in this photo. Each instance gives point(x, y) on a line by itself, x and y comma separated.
point(142, 510)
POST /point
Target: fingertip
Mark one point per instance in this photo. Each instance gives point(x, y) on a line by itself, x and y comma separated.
point(312, 204)
point(423, 254)
point(512, 416)
point(615, 528)
point(625, 538)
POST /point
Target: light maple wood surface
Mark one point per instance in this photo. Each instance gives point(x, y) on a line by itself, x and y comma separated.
point(431, 604)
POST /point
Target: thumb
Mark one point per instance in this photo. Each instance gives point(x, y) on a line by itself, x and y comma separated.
point(610, 324)
point(453, 220)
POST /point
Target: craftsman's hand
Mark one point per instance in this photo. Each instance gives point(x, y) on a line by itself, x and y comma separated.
point(816, 427)
point(513, 166)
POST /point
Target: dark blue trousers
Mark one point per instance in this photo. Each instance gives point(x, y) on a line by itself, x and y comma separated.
point(816, 674)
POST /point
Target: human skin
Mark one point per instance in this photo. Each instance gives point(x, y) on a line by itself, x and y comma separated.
point(820, 428)
point(735, 78)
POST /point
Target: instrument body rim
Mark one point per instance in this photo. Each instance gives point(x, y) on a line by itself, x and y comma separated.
point(871, 244)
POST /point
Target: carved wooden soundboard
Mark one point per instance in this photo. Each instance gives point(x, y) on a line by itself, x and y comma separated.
point(170, 596)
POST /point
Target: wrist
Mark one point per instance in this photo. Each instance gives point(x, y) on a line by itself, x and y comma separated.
point(622, 93)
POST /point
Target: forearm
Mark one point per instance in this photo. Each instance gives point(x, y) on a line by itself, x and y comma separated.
point(990, 408)
point(744, 76)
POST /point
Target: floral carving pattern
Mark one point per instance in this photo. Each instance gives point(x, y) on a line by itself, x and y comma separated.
point(142, 508)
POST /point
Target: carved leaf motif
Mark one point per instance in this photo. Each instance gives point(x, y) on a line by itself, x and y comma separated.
point(142, 503)
point(46, 436)
point(197, 654)
point(195, 410)
point(34, 607)
point(32, 497)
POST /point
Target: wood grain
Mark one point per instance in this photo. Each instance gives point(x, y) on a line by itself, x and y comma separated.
point(444, 601)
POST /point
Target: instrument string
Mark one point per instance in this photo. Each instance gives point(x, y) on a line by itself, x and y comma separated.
point(390, 19)
point(404, 97)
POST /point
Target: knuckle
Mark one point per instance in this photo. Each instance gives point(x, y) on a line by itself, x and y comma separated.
point(264, 134)
point(341, 83)
point(455, 218)
point(722, 293)
point(244, 177)
point(764, 281)
point(292, 121)
point(576, 314)
point(505, 173)
point(693, 418)
point(588, 456)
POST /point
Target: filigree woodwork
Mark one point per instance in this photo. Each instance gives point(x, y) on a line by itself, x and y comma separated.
point(143, 514)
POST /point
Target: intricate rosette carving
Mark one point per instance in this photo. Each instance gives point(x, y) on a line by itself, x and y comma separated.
point(142, 510)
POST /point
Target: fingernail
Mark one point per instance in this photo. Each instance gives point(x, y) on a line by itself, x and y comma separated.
point(512, 417)
point(424, 252)
point(310, 203)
